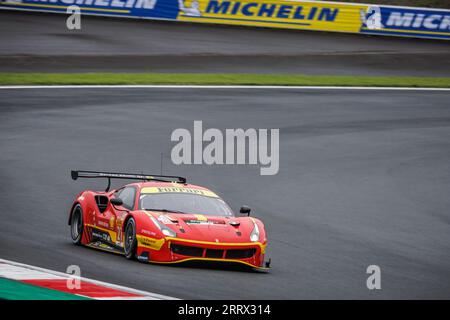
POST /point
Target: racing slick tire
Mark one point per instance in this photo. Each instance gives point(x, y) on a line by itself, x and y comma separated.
point(76, 224)
point(130, 243)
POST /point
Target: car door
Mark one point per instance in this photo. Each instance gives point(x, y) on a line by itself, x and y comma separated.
point(128, 197)
point(104, 222)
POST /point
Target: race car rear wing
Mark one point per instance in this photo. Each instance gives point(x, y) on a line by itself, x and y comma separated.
point(129, 176)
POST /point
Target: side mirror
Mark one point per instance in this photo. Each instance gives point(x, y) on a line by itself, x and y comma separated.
point(116, 201)
point(245, 210)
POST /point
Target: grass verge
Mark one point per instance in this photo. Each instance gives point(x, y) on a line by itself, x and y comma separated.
point(215, 79)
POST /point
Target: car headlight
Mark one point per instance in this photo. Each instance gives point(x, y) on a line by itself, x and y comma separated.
point(254, 236)
point(169, 232)
point(164, 229)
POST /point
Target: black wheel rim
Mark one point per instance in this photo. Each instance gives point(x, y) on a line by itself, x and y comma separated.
point(129, 238)
point(76, 225)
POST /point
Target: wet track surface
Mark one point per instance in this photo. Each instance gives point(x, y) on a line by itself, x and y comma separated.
point(41, 43)
point(364, 179)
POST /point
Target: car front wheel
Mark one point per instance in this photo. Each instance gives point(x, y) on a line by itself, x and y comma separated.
point(130, 239)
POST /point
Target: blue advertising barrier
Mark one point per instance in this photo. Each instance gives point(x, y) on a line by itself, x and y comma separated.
point(304, 15)
point(152, 9)
point(412, 22)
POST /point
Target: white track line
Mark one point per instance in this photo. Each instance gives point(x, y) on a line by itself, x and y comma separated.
point(20, 271)
point(255, 87)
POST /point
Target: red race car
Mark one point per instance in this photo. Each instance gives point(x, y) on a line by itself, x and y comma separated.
point(163, 219)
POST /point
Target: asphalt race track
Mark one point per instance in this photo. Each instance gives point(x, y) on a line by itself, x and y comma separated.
point(364, 179)
point(364, 175)
point(41, 43)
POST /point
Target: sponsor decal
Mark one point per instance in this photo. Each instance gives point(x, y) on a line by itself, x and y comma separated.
point(151, 243)
point(189, 10)
point(138, 4)
point(103, 224)
point(271, 10)
point(198, 222)
point(417, 20)
point(371, 18)
point(273, 13)
point(409, 21)
point(167, 9)
point(164, 219)
point(147, 232)
point(119, 224)
point(307, 15)
point(143, 258)
point(101, 235)
point(200, 192)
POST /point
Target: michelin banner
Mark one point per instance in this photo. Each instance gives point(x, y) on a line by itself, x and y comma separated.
point(152, 9)
point(293, 14)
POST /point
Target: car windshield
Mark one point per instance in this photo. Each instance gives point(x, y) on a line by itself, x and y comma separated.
point(184, 203)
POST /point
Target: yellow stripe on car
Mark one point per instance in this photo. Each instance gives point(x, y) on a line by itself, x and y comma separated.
point(210, 259)
point(241, 244)
point(150, 243)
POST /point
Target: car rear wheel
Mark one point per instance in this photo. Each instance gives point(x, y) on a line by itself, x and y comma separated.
point(76, 224)
point(130, 239)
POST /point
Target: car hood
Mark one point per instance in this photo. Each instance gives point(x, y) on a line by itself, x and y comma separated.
point(209, 228)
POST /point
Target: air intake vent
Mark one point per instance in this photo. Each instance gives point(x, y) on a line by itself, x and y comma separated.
point(187, 250)
point(102, 203)
point(240, 253)
point(213, 253)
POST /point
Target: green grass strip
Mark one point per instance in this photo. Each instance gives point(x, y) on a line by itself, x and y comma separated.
point(16, 290)
point(216, 79)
